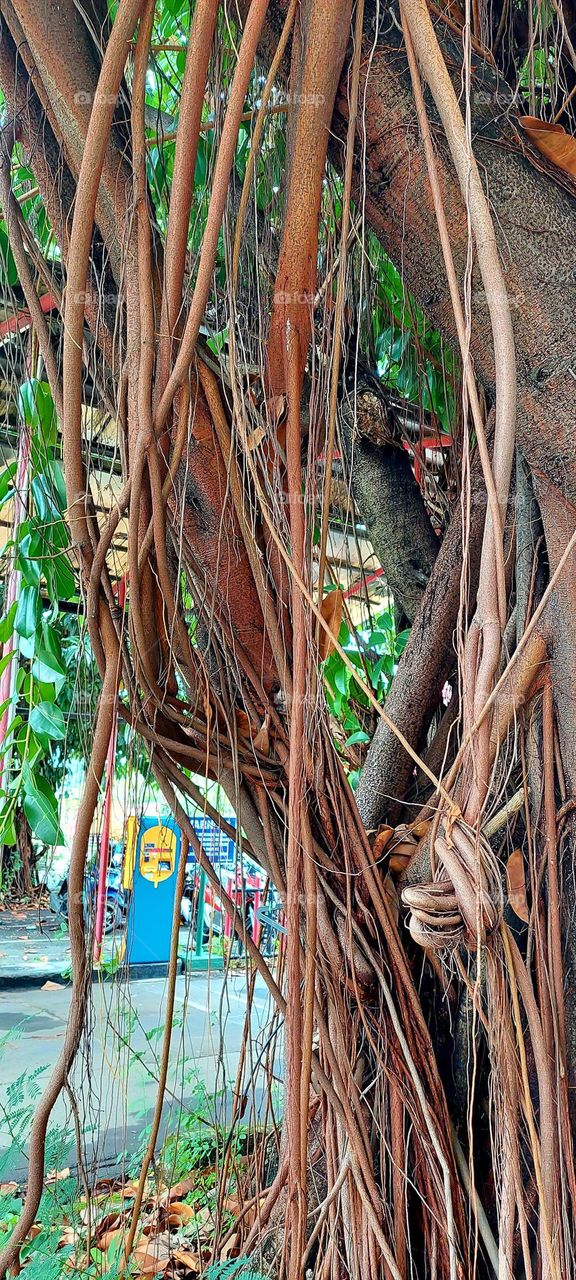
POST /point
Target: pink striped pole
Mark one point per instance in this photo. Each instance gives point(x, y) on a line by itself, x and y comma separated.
point(8, 678)
point(101, 884)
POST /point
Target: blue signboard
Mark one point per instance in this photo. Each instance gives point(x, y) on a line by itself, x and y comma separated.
point(154, 857)
point(218, 847)
point(152, 853)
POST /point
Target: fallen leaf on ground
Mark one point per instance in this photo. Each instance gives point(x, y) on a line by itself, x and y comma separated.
point(231, 1248)
point(105, 1240)
point(68, 1237)
point(152, 1255)
point(52, 986)
point(180, 1212)
point(190, 1260)
point(8, 1188)
point(552, 141)
point(110, 1222)
point(181, 1189)
point(232, 1204)
point(129, 1189)
point(57, 1175)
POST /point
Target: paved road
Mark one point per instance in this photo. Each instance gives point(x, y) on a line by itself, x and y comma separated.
point(115, 1083)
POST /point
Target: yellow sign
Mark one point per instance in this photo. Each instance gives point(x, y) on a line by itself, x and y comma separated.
point(157, 853)
point(132, 827)
point(156, 849)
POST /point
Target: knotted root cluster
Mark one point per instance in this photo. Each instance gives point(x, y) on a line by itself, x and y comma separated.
point(463, 902)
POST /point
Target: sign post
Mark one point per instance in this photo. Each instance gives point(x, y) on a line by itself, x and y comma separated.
point(152, 857)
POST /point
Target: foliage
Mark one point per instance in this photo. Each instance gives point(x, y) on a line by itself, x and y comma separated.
point(45, 654)
point(185, 1176)
point(374, 650)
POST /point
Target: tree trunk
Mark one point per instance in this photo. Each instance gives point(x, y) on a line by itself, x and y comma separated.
point(219, 498)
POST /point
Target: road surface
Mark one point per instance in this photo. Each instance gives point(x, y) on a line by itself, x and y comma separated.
point(115, 1083)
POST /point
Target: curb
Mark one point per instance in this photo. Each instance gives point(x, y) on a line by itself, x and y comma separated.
point(133, 973)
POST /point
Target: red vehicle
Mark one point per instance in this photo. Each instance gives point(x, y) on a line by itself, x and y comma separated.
point(245, 890)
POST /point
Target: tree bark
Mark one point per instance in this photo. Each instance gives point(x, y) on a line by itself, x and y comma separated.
point(425, 664)
point(534, 217)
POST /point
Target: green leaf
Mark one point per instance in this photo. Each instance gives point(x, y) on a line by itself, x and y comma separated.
point(6, 660)
point(36, 408)
point(48, 663)
point(30, 747)
point(41, 809)
point(401, 641)
point(53, 470)
point(7, 828)
point(63, 582)
point(7, 476)
point(8, 269)
point(48, 720)
point(28, 556)
point(28, 612)
point(7, 623)
point(358, 736)
point(341, 677)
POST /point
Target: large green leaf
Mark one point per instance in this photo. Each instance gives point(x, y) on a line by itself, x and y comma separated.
point(37, 410)
point(47, 720)
point(6, 660)
point(48, 663)
point(28, 612)
point(41, 809)
point(7, 827)
point(7, 475)
point(7, 623)
point(28, 554)
point(8, 271)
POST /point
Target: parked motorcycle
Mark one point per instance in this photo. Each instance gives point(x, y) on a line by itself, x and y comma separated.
point(116, 905)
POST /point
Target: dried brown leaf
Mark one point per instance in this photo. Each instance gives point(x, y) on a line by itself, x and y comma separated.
point(153, 1254)
point(331, 610)
point(68, 1237)
point(180, 1212)
point(105, 1240)
point(382, 839)
point(398, 862)
point(255, 438)
point(262, 739)
point(552, 141)
point(516, 881)
point(191, 1261)
point(243, 724)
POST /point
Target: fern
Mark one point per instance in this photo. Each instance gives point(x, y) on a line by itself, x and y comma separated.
point(237, 1269)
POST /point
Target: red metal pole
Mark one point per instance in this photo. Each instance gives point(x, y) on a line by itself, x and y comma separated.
point(227, 920)
point(105, 836)
point(23, 319)
point(8, 678)
point(256, 924)
point(105, 843)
